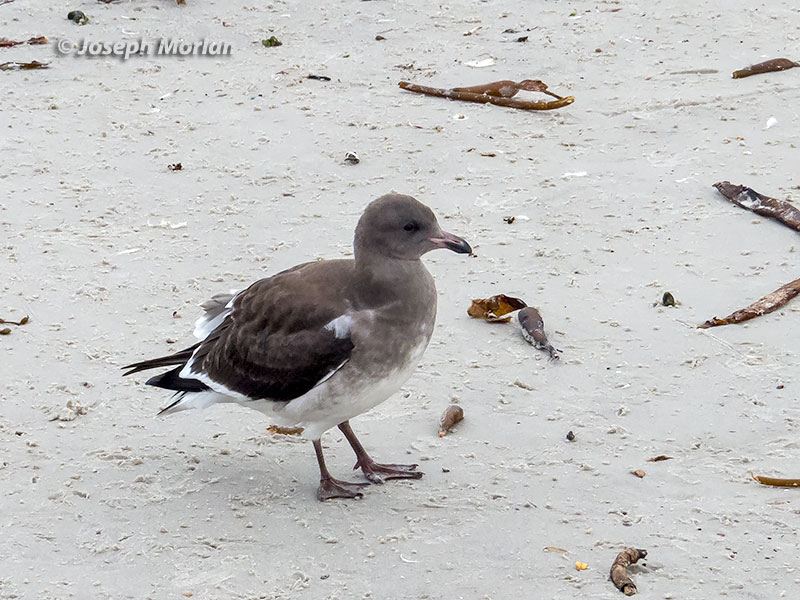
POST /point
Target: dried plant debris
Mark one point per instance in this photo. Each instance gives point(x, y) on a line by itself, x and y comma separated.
point(7, 330)
point(452, 415)
point(619, 570)
point(743, 196)
point(271, 42)
point(276, 429)
point(34, 41)
point(494, 308)
point(775, 481)
point(23, 66)
point(533, 331)
point(767, 304)
point(318, 77)
point(22, 321)
point(769, 66)
point(506, 88)
point(659, 458)
point(499, 93)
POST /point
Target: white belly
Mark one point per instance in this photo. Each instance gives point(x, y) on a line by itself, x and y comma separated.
point(345, 395)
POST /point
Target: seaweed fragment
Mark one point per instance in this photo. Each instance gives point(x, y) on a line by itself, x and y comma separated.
point(768, 66)
point(499, 93)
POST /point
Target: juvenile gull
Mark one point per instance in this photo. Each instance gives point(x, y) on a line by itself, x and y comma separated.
point(322, 342)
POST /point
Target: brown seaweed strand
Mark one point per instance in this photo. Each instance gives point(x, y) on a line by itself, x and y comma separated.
point(748, 198)
point(486, 99)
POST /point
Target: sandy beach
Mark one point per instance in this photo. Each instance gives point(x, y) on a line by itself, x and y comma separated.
point(110, 252)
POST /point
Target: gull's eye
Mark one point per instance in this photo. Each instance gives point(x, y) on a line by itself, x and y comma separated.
point(411, 226)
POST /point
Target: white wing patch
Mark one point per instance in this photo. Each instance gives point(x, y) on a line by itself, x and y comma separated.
point(186, 373)
point(215, 314)
point(340, 326)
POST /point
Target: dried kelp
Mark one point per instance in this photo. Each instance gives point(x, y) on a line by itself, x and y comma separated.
point(22, 321)
point(619, 570)
point(748, 198)
point(494, 308)
point(769, 66)
point(659, 458)
point(34, 41)
point(498, 92)
point(506, 88)
point(775, 481)
point(767, 304)
point(23, 66)
point(7, 330)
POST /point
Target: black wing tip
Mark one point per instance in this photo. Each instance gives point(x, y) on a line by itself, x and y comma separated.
point(178, 397)
point(171, 380)
point(134, 368)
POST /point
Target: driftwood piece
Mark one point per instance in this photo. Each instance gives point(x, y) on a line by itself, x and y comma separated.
point(769, 66)
point(767, 304)
point(775, 481)
point(748, 198)
point(491, 93)
point(453, 414)
point(619, 570)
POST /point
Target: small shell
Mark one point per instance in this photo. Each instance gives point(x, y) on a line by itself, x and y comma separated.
point(452, 415)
